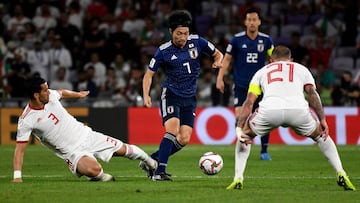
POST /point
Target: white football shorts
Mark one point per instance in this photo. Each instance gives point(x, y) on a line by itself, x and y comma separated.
point(302, 121)
point(97, 145)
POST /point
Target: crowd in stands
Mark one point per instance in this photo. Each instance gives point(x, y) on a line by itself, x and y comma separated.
point(105, 45)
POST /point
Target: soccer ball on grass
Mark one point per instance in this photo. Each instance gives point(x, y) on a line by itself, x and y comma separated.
point(211, 163)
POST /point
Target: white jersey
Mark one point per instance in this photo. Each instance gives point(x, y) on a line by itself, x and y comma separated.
point(53, 126)
point(282, 84)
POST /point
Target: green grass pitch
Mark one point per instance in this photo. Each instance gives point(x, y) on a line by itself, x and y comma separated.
point(296, 174)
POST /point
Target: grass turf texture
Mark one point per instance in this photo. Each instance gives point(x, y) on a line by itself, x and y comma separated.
point(296, 174)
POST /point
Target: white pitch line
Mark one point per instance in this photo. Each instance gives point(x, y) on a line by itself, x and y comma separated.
point(201, 177)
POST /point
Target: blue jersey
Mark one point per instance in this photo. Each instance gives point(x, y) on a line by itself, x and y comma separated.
point(181, 65)
point(248, 56)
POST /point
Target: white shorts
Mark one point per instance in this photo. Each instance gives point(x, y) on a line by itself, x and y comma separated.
point(302, 121)
point(97, 145)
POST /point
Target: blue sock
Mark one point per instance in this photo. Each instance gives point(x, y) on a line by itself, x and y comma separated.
point(164, 152)
point(264, 143)
point(177, 147)
point(155, 155)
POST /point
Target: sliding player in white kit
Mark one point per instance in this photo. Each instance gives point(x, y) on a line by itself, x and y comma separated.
point(283, 83)
point(78, 145)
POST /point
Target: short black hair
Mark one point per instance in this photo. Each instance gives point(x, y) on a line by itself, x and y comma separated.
point(33, 85)
point(179, 18)
point(252, 10)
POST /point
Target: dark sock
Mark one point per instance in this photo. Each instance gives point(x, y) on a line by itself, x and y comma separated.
point(155, 155)
point(264, 143)
point(177, 147)
point(164, 152)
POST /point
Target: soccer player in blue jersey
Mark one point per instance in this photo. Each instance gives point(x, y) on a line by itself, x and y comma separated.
point(248, 51)
point(180, 60)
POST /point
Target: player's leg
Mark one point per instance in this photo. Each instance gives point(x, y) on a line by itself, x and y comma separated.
point(91, 168)
point(165, 148)
point(311, 126)
point(82, 160)
point(170, 145)
point(104, 147)
point(264, 155)
point(241, 155)
point(134, 152)
point(175, 149)
point(170, 117)
point(177, 112)
point(187, 119)
point(328, 148)
point(242, 151)
point(170, 112)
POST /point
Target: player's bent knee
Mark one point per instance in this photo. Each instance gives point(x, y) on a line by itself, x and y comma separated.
point(316, 133)
point(89, 166)
point(184, 139)
point(121, 151)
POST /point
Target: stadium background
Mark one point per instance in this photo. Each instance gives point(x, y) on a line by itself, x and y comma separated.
point(214, 20)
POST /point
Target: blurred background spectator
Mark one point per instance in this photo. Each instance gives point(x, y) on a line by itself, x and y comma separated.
point(60, 81)
point(59, 57)
point(346, 93)
point(123, 34)
point(38, 60)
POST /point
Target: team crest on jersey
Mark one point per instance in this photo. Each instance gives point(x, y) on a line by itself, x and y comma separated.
point(193, 53)
point(260, 47)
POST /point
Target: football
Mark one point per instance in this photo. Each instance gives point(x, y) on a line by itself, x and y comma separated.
point(211, 163)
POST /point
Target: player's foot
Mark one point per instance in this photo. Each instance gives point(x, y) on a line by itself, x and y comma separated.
point(265, 157)
point(161, 177)
point(149, 172)
point(345, 182)
point(104, 178)
point(236, 184)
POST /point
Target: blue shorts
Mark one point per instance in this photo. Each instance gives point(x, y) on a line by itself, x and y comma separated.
point(183, 108)
point(240, 94)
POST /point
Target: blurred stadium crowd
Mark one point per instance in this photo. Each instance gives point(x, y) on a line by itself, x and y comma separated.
point(105, 45)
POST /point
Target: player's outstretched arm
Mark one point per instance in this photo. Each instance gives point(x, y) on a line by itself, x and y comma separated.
point(18, 161)
point(69, 94)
